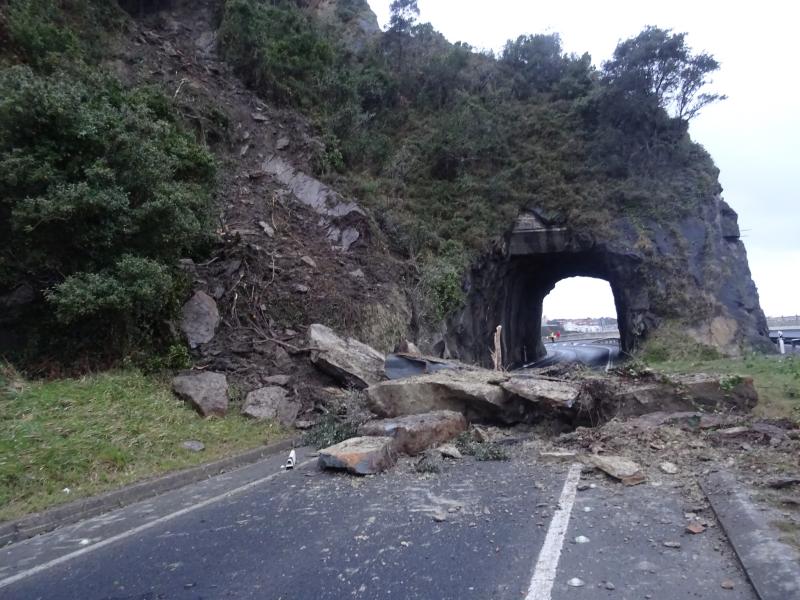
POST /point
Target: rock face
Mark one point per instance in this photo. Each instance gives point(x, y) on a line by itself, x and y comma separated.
point(475, 394)
point(360, 455)
point(271, 403)
point(416, 433)
point(199, 319)
point(344, 218)
point(690, 273)
point(349, 361)
point(207, 392)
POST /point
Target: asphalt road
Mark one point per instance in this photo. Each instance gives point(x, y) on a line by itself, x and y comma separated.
point(593, 354)
point(508, 532)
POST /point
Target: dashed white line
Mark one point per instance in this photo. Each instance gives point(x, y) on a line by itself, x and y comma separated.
point(145, 526)
point(544, 574)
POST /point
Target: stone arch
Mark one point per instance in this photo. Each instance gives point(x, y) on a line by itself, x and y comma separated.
point(508, 288)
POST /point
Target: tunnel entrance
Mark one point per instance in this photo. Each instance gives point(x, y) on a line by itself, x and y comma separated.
point(508, 288)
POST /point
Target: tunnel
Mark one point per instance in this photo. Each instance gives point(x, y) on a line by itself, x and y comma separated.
point(508, 286)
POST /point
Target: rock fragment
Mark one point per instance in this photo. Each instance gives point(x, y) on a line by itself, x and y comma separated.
point(359, 455)
point(193, 446)
point(207, 392)
point(199, 319)
point(668, 468)
point(450, 451)
point(271, 403)
point(618, 467)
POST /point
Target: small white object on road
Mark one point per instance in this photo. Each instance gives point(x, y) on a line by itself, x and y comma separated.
point(291, 460)
point(576, 582)
point(581, 539)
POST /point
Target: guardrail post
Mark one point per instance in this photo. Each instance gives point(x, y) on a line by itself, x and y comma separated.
point(781, 346)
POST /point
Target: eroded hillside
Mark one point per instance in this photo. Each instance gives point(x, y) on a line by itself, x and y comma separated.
point(357, 178)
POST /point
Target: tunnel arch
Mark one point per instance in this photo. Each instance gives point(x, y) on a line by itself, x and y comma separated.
point(508, 286)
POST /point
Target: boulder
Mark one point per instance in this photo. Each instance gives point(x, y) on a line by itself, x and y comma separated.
point(359, 455)
point(475, 394)
point(207, 392)
point(199, 319)
point(271, 403)
point(349, 361)
point(549, 394)
point(415, 433)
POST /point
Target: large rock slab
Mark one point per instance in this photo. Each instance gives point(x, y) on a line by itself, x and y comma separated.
point(199, 319)
point(347, 360)
point(207, 392)
point(476, 394)
point(271, 403)
point(360, 455)
point(415, 433)
point(549, 394)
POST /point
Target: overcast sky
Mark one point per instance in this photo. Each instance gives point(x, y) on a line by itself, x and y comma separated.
point(754, 136)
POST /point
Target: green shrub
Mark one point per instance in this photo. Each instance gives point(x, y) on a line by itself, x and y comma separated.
point(100, 193)
point(330, 430)
point(276, 49)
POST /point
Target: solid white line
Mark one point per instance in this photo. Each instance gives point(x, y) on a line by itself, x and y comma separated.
point(125, 534)
point(544, 574)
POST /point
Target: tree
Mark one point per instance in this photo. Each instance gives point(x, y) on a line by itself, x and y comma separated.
point(657, 65)
point(404, 14)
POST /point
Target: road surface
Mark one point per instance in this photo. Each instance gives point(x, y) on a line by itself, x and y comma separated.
point(593, 354)
point(509, 532)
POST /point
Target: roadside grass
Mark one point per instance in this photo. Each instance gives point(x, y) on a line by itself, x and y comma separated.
point(776, 378)
point(99, 432)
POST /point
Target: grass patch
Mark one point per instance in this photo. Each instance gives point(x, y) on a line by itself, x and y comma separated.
point(777, 379)
point(99, 432)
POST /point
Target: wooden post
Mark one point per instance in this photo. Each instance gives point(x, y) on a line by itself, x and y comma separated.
point(497, 355)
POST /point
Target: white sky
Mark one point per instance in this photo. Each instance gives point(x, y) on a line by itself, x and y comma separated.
point(754, 136)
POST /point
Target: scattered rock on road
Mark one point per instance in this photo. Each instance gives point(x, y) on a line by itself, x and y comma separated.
point(359, 455)
point(450, 451)
point(415, 433)
point(618, 467)
point(668, 468)
point(207, 392)
point(349, 361)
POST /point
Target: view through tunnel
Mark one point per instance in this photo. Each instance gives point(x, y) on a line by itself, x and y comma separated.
point(579, 323)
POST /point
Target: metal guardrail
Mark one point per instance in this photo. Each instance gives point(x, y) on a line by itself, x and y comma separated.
point(614, 341)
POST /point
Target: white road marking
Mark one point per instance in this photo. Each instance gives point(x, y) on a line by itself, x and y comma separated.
point(544, 574)
point(145, 526)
